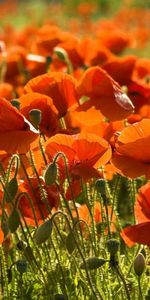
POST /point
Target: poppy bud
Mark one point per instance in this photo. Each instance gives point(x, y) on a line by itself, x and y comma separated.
point(112, 246)
point(21, 245)
point(16, 103)
point(61, 53)
point(43, 232)
point(93, 263)
point(22, 266)
point(35, 117)
point(50, 174)
point(100, 185)
point(139, 264)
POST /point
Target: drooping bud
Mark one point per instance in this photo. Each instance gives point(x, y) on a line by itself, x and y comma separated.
point(100, 185)
point(61, 53)
point(35, 117)
point(43, 232)
point(112, 246)
point(50, 174)
point(139, 264)
point(22, 266)
point(63, 56)
point(93, 263)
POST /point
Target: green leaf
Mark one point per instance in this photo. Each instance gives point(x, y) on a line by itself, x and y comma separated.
point(14, 221)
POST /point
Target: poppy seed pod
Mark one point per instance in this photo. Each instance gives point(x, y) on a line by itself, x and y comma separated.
point(35, 117)
point(139, 264)
point(112, 246)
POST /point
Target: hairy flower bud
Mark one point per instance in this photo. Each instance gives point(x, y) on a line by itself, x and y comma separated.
point(112, 246)
point(139, 264)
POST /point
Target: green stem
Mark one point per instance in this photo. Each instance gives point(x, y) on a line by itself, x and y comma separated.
point(140, 296)
point(123, 281)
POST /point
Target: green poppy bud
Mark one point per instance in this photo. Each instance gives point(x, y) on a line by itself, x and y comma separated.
point(93, 263)
point(100, 185)
point(112, 246)
point(61, 53)
point(21, 266)
point(139, 264)
point(50, 174)
point(43, 232)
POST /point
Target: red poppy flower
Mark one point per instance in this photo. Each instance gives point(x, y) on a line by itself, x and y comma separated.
point(91, 121)
point(15, 58)
point(105, 94)
point(120, 68)
point(40, 207)
point(115, 40)
point(139, 233)
point(47, 38)
point(84, 214)
point(16, 133)
point(57, 85)
point(132, 155)
point(49, 122)
point(84, 153)
point(6, 91)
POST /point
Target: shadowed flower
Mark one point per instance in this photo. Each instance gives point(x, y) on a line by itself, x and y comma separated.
point(57, 85)
point(16, 133)
point(105, 94)
point(84, 154)
point(49, 122)
point(139, 233)
point(42, 207)
point(132, 155)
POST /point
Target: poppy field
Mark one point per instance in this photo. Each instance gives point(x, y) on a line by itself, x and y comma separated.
point(75, 150)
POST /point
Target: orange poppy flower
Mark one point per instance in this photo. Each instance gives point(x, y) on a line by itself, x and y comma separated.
point(120, 68)
point(49, 122)
point(84, 153)
point(16, 133)
point(57, 85)
point(47, 38)
point(132, 155)
point(139, 233)
point(71, 46)
point(6, 91)
point(15, 62)
point(84, 214)
point(98, 54)
point(105, 94)
point(115, 40)
point(40, 207)
point(92, 121)
point(35, 65)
